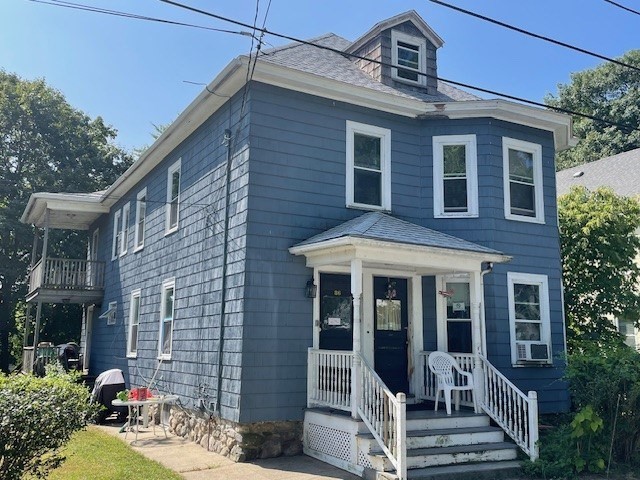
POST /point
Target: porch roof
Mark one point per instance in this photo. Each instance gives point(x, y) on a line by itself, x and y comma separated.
point(376, 232)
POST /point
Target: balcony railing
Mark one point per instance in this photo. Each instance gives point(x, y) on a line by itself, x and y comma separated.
point(65, 275)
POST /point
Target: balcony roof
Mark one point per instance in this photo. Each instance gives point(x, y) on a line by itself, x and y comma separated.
point(71, 211)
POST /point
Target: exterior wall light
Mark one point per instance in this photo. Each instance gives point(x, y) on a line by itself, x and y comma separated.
point(311, 289)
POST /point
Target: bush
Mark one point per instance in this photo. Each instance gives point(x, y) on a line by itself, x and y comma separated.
point(39, 415)
point(607, 377)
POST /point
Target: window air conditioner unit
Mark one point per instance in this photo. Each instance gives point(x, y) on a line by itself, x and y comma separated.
point(532, 352)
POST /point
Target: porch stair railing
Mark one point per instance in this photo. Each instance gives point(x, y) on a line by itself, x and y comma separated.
point(515, 412)
point(332, 377)
point(510, 408)
point(385, 414)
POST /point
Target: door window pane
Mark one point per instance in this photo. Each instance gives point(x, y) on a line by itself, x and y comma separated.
point(388, 315)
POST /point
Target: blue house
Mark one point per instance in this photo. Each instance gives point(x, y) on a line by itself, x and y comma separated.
point(290, 250)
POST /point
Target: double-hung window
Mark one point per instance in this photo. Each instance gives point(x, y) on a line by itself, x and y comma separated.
point(173, 197)
point(167, 309)
point(529, 317)
point(455, 178)
point(124, 237)
point(134, 322)
point(117, 235)
point(141, 213)
point(522, 163)
point(368, 176)
point(408, 56)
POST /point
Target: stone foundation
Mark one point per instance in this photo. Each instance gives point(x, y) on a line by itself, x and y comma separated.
point(239, 442)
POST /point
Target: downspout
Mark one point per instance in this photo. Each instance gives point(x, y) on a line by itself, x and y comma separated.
point(478, 370)
point(225, 241)
point(488, 269)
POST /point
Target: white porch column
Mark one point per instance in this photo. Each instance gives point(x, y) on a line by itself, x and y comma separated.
point(356, 292)
point(416, 336)
point(476, 305)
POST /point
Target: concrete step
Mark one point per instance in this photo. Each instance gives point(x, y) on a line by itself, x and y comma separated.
point(440, 438)
point(430, 420)
point(418, 458)
point(468, 471)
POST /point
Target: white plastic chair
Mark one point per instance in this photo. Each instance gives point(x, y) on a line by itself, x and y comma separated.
point(443, 365)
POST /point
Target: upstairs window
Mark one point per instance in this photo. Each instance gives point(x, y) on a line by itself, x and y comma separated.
point(408, 55)
point(522, 163)
point(455, 179)
point(117, 235)
point(124, 237)
point(173, 197)
point(141, 213)
point(368, 166)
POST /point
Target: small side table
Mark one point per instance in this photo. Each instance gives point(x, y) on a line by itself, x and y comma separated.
point(139, 408)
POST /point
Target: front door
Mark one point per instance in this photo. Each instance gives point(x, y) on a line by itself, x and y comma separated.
point(390, 327)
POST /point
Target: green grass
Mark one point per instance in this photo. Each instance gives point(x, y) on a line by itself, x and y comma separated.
point(92, 454)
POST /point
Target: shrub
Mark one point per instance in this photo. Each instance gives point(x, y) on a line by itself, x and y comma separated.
point(38, 416)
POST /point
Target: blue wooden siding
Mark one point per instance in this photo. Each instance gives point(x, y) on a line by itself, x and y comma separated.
point(193, 256)
point(297, 189)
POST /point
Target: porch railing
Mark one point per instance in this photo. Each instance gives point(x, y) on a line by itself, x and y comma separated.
point(515, 412)
point(329, 379)
point(332, 377)
point(67, 274)
point(429, 385)
point(28, 359)
point(385, 414)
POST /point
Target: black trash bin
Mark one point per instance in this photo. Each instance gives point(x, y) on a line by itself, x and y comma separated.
point(107, 385)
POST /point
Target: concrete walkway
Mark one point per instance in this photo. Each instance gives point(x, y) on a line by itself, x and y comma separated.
point(195, 463)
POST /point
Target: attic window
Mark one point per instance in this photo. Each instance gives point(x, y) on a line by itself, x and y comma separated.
point(409, 58)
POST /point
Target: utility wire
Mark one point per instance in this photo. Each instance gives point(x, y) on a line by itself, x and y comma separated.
point(626, 128)
point(117, 13)
point(619, 5)
point(536, 35)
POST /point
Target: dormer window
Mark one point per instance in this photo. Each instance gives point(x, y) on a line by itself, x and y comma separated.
point(409, 58)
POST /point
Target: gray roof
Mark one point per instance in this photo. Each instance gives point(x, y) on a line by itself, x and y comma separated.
point(383, 227)
point(620, 172)
point(329, 64)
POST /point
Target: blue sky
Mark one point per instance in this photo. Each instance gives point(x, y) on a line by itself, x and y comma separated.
point(133, 73)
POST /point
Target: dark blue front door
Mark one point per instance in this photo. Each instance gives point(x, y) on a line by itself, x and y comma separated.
point(390, 338)
point(336, 315)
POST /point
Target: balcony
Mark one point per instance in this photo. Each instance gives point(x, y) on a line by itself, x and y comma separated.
point(61, 280)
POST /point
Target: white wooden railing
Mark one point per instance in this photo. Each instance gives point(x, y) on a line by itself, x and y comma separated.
point(329, 379)
point(62, 273)
point(385, 414)
point(515, 412)
point(429, 385)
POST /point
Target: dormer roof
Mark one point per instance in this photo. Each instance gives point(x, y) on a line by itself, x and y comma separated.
point(410, 16)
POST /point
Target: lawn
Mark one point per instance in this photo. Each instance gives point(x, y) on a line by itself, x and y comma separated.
point(92, 454)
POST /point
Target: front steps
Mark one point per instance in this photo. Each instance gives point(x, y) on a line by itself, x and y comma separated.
point(441, 446)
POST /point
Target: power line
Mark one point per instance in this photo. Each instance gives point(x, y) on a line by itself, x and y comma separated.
point(536, 35)
point(623, 7)
point(627, 128)
point(117, 13)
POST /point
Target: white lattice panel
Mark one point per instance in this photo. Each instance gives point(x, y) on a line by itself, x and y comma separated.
point(363, 460)
point(329, 441)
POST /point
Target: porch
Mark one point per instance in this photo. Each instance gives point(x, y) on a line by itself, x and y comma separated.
point(61, 280)
point(398, 439)
point(390, 292)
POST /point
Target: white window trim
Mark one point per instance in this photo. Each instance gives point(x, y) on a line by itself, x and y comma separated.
point(117, 231)
point(385, 164)
point(536, 150)
point(138, 244)
point(176, 167)
point(439, 142)
point(131, 353)
point(421, 43)
point(168, 283)
point(124, 237)
point(545, 315)
point(110, 313)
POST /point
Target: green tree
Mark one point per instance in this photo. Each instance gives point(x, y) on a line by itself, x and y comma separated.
point(610, 92)
point(598, 243)
point(45, 145)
